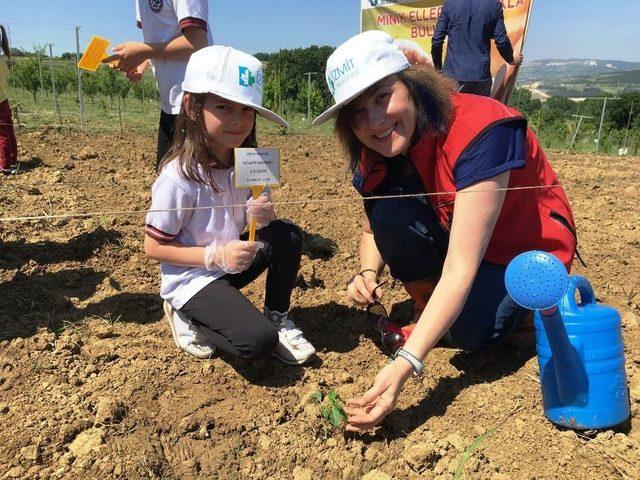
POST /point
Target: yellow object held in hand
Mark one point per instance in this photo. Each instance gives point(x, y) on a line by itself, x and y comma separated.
point(95, 52)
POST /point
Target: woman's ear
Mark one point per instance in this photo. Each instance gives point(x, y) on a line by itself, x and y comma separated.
point(187, 104)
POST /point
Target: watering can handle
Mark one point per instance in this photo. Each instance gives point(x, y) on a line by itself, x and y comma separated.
point(584, 287)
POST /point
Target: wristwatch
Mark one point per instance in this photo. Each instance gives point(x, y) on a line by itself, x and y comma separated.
point(415, 363)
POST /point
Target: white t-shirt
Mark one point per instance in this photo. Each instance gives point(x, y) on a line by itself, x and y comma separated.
point(193, 227)
point(162, 21)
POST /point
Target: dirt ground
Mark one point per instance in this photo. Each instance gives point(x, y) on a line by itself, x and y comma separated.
point(92, 386)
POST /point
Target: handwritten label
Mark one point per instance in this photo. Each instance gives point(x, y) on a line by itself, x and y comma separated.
point(257, 167)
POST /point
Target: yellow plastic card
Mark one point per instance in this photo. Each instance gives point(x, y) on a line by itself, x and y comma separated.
point(95, 52)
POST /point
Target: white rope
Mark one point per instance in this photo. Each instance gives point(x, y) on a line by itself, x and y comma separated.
point(289, 202)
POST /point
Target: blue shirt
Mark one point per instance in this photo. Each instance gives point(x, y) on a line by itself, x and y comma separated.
point(500, 149)
point(470, 26)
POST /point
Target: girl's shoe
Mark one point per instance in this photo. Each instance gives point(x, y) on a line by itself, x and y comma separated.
point(292, 348)
point(186, 335)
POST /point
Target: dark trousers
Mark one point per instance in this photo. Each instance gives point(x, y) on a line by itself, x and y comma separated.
point(165, 135)
point(413, 244)
point(482, 87)
point(230, 321)
point(8, 144)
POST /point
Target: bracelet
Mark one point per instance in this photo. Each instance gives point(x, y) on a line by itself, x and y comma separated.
point(368, 270)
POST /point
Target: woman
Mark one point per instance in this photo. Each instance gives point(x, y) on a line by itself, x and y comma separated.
point(8, 144)
point(407, 132)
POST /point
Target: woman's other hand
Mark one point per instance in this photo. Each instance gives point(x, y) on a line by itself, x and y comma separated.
point(414, 53)
point(367, 411)
point(360, 290)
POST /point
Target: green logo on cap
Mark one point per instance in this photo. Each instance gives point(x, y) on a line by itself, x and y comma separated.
point(247, 79)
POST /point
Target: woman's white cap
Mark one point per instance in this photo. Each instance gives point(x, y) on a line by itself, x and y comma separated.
point(357, 64)
point(230, 74)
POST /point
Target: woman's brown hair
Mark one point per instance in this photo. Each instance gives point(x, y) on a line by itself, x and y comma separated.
point(4, 41)
point(431, 93)
point(191, 146)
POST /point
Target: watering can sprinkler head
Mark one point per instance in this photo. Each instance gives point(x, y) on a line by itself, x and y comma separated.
point(536, 280)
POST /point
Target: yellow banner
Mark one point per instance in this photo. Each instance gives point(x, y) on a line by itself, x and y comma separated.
point(416, 20)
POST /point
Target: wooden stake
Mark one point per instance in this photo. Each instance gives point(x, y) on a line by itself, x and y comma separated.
point(255, 192)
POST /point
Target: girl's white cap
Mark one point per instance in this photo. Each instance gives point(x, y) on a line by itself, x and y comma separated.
point(230, 74)
point(357, 64)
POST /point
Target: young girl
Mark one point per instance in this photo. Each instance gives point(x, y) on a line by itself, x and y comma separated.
point(195, 223)
point(8, 144)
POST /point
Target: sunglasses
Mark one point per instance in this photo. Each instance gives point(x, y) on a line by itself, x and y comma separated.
point(391, 335)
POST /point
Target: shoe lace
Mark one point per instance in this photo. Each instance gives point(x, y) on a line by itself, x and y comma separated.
point(292, 332)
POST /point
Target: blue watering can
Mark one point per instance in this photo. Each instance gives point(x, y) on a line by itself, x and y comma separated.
point(580, 349)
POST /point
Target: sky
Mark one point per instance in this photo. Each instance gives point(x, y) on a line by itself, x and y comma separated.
point(558, 28)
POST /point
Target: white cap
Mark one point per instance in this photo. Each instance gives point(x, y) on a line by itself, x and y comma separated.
point(230, 74)
point(357, 64)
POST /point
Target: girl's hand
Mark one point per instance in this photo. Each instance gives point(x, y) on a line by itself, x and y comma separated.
point(137, 73)
point(360, 290)
point(261, 210)
point(234, 257)
point(369, 410)
point(128, 56)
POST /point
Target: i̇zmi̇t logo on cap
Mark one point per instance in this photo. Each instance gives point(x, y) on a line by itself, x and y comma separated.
point(339, 75)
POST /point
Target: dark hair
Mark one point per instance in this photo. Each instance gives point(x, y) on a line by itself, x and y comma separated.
point(4, 41)
point(192, 147)
point(431, 93)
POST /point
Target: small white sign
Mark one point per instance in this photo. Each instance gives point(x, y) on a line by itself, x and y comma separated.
point(257, 167)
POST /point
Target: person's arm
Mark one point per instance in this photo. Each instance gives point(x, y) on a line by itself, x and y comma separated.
point(361, 287)
point(503, 44)
point(439, 34)
point(173, 252)
point(475, 214)
point(131, 55)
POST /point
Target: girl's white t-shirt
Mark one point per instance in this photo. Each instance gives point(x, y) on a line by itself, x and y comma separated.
point(160, 23)
point(204, 226)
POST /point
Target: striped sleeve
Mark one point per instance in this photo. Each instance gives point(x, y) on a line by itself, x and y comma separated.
point(193, 22)
point(172, 204)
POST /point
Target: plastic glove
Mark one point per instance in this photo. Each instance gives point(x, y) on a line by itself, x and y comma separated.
point(261, 210)
point(234, 257)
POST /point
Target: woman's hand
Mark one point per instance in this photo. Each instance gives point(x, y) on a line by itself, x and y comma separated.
point(361, 290)
point(369, 410)
point(414, 53)
point(261, 210)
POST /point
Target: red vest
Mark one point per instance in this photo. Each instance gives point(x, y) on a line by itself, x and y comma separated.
point(534, 219)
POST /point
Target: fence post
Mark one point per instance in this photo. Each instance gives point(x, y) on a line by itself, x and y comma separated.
point(53, 85)
point(79, 73)
point(120, 117)
point(17, 111)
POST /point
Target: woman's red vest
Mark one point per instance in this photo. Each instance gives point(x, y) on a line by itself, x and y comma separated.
point(530, 219)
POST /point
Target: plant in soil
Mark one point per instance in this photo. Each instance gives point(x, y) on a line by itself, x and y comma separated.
point(332, 414)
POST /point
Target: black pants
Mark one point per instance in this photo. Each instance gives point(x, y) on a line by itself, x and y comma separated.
point(482, 87)
point(165, 135)
point(228, 318)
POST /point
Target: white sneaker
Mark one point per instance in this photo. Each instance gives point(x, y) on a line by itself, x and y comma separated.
point(186, 335)
point(293, 348)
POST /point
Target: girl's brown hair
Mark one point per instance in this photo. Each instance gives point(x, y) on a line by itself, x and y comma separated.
point(191, 146)
point(431, 93)
point(4, 41)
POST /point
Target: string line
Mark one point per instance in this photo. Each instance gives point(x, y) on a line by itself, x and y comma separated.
point(279, 203)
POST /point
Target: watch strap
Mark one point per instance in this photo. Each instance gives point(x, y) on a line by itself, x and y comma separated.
point(414, 361)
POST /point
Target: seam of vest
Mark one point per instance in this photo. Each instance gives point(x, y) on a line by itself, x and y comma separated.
point(474, 140)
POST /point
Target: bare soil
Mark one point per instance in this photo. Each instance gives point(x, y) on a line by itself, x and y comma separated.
point(92, 386)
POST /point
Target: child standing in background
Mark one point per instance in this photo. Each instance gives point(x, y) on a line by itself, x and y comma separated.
point(172, 31)
point(197, 217)
point(8, 144)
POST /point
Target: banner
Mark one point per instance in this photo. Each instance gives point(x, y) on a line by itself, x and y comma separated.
point(416, 20)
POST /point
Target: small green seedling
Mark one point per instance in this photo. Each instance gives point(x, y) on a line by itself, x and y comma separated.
point(331, 410)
